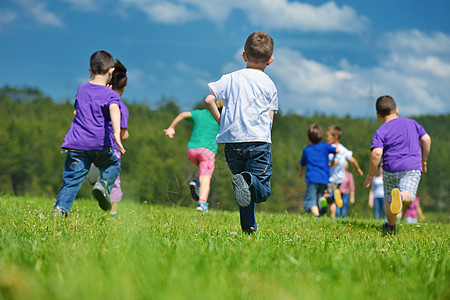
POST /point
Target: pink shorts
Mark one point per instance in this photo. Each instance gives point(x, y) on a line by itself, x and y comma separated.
point(204, 159)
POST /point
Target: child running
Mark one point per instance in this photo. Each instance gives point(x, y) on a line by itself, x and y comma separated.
point(118, 84)
point(245, 125)
point(201, 150)
point(337, 169)
point(404, 158)
point(315, 159)
point(87, 140)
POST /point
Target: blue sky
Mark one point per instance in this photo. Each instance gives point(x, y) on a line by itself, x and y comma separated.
point(331, 57)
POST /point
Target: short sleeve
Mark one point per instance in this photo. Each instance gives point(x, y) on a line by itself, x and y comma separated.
point(303, 159)
point(377, 141)
point(420, 130)
point(219, 87)
point(124, 114)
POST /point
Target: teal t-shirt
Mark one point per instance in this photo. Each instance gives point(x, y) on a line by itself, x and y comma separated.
point(204, 131)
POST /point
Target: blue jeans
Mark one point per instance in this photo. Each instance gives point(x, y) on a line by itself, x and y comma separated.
point(342, 211)
point(313, 191)
point(378, 208)
point(254, 158)
point(77, 166)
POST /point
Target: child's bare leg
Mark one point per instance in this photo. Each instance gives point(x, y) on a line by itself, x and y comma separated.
point(333, 210)
point(205, 182)
point(391, 218)
point(113, 208)
point(315, 211)
point(406, 198)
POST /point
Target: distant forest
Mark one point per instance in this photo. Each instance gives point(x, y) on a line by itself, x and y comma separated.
point(155, 169)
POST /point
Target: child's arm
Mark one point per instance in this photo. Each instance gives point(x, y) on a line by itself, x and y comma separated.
point(353, 161)
point(425, 144)
point(124, 134)
point(419, 211)
point(371, 198)
point(271, 113)
point(374, 161)
point(352, 197)
point(300, 171)
point(170, 132)
point(114, 112)
point(210, 102)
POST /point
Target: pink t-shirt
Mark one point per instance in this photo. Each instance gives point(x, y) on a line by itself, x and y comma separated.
point(348, 185)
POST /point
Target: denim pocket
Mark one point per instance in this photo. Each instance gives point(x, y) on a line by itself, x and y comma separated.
point(260, 161)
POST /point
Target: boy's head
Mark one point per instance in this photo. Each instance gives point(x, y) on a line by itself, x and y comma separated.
point(259, 47)
point(333, 134)
point(315, 133)
point(119, 78)
point(385, 106)
point(101, 63)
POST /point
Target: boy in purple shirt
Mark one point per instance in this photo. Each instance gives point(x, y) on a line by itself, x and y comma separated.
point(315, 158)
point(404, 159)
point(88, 141)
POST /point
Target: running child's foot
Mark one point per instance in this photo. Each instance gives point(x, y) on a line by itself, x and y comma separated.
point(338, 198)
point(202, 206)
point(194, 185)
point(242, 193)
point(396, 203)
point(59, 212)
point(100, 192)
point(323, 206)
point(389, 228)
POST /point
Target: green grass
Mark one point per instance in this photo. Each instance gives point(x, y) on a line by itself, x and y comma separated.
point(158, 252)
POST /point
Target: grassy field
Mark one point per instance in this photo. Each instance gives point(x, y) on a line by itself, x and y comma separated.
point(157, 252)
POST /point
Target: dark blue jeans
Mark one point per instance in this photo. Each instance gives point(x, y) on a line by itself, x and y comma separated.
point(342, 211)
point(77, 166)
point(378, 208)
point(254, 158)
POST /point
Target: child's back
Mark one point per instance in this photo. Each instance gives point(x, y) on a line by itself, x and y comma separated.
point(87, 131)
point(315, 158)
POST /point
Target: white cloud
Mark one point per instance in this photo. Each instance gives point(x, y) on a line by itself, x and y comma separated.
point(274, 14)
point(38, 11)
point(7, 16)
point(418, 81)
point(417, 42)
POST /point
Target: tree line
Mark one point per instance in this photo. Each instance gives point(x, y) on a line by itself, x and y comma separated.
point(155, 169)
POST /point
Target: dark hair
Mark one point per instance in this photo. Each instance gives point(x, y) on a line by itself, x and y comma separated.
point(335, 130)
point(385, 106)
point(101, 62)
point(315, 133)
point(119, 76)
point(259, 47)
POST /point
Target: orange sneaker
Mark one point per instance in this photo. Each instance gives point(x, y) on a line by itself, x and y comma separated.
point(338, 198)
point(396, 203)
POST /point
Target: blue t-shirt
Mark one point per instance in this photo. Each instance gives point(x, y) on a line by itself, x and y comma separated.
point(315, 158)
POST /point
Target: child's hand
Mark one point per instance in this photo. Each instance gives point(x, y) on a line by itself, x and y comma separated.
point(368, 181)
point(359, 171)
point(170, 132)
point(300, 174)
point(119, 142)
point(424, 166)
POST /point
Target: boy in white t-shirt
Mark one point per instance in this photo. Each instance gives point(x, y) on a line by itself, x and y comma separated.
point(337, 168)
point(245, 125)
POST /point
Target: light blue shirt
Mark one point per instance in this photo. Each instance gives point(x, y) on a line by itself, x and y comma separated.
point(249, 96)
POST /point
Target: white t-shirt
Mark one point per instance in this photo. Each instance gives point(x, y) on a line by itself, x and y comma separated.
point(249, 96)
point(337, 172)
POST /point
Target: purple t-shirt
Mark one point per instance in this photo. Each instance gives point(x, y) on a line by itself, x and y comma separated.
point(89, 129)
point(315, 158)
point(399, 139)
point(123, 123)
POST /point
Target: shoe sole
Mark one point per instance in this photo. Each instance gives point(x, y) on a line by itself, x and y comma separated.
point(103, 202)
point(338, 198)
point(194, 195)
point(242, 193)
point(396, 203)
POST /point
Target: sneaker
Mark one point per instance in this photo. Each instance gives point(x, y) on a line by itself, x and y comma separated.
point(194, 185)
point(389, 228)
point(101, 193)
point(59, 212)
point(242, 193)
point(338, 198)
point(323, 206)
point(202, 206)
point(396, 203)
